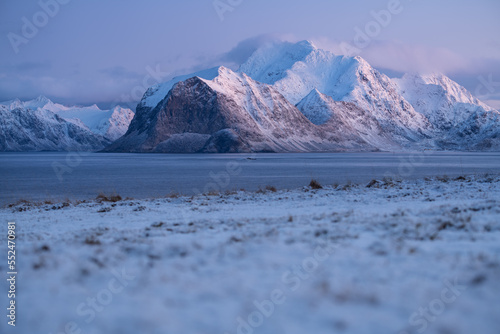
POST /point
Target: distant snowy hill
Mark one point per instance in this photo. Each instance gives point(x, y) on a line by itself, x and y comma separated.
point(41, 124)
point(111, 124)
point(42, 130)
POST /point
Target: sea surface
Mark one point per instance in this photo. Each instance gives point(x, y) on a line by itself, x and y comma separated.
point(59, 176)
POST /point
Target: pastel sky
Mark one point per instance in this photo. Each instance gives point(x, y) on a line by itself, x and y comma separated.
point(108, 51)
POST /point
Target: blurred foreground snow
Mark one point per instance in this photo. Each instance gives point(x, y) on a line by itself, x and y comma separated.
point(398, 257)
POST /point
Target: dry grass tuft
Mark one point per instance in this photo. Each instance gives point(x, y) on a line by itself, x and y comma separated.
point(444, 178)
point(271, 189)
point(213, 193)
point(111, 198)
point(92, 240)
point(315, 184)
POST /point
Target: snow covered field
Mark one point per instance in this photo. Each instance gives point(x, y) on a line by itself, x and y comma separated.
point(397, 257)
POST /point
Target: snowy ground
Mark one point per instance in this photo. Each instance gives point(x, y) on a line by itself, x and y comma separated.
point(398, 257)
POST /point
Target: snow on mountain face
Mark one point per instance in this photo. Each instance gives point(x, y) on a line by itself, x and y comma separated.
point(28, 129)
point(459, 119)
point(444, 102)
point(348, 120)
point(156, 93)
point(110, 124)
point(296, 69)
point(316, 107)
point(229, 113)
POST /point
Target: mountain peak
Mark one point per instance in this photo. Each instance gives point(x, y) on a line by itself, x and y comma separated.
point(314, 97)
point(269, 62)
point(42, 98)
point(223, 70)
point(316, 107)
point(315, 94)
point(157, 93)
point(307, 44)
point(361, 61)
point(40, 102)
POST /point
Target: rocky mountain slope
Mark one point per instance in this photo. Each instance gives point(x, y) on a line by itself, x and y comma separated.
point(347, 118)
point(230, 113)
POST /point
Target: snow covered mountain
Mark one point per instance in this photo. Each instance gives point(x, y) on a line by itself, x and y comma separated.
point(41, 124)
point(27, 129)
point(287, 97)
point(111, 124)
point(229, 113)
point(459, 119)
point(297, 69)
point(346, 104)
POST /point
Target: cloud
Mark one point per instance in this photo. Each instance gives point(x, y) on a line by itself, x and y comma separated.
point(120, 72)
point(481, 76)
point(33, 66)
point(75, 85)
point(244, 49)
point(400, 57)
point(235, 56)
point(413, 58)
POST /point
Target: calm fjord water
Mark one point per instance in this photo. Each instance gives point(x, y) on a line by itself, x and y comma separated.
point(57, 176)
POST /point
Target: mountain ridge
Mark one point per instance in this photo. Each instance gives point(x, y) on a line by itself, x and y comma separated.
point(288, 97)
point(342, 98)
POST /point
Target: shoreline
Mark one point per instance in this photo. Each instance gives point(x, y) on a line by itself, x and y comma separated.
point(113, 197)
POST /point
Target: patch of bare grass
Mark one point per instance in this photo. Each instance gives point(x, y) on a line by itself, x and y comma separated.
point(315, 184)
point(113, 198)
